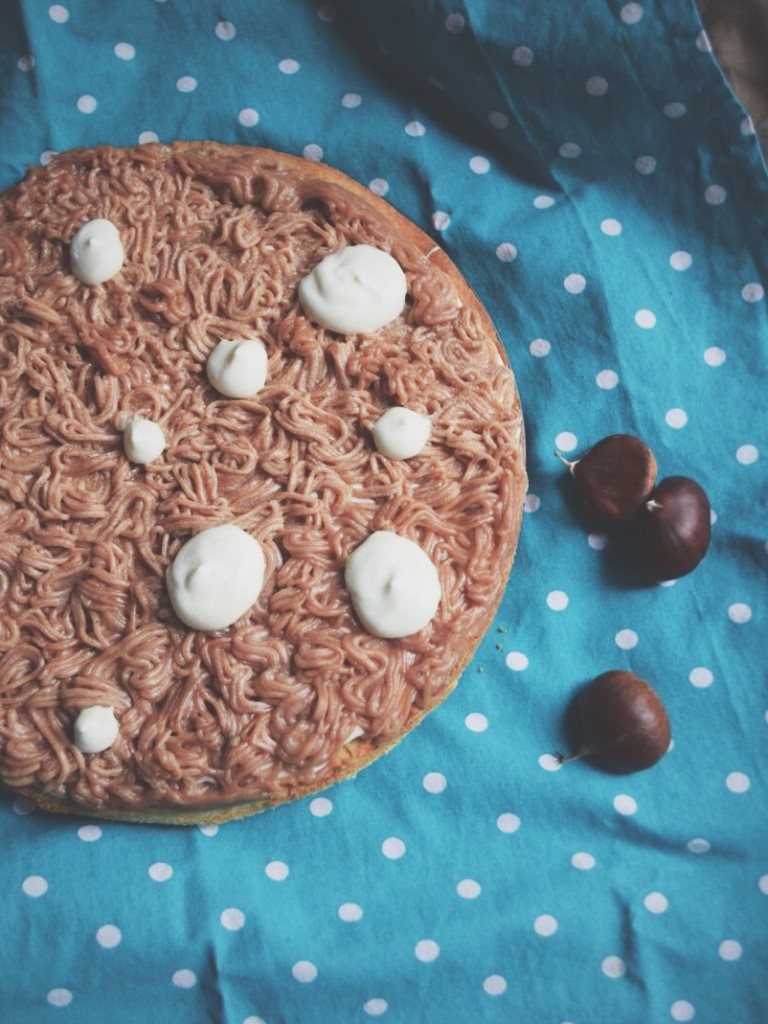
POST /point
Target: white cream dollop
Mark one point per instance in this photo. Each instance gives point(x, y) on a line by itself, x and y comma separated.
point(96, 729)
point(401, 433)
point(237, 367)
point(216, 577)
point(143, 440)
point(393, 584)
point(96, 252)
point(358, 288)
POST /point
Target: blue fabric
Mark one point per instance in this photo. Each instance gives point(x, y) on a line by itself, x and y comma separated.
point(591, 173)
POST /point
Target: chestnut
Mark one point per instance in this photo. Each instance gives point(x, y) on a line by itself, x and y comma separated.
point(674, 529)
point(619, 721)
point(614, 477)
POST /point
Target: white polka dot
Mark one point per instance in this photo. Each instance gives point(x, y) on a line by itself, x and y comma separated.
point(476, 722)
point(250, 1019)
point(440, 220)
point(598, 541)
point(701, 677)
point(350, 912)
point(739, 613)
point(613, 967)
point(46, 156)
point(747, 126)
point(575, 283)
point(225, 30)
point(596, 86)
point(645, 318)
point(570, 150)
point(34, 885)
point(681, 1010)
point(543, 202)
point(545, 925)
point(680, 260)
point(566, 441)
point(762, 884)
point(746, 454)
point(557, 600)
point(379, 186)
point(737, 782)
point(232, 919)
point(698, 845)
point(434, 782)
point(415, 129)
point(715, 195)
point(327, 12)
point(108, 936)
point(714, 356)
point(426, 950)
point(607, 379)
point(145, 137)
point(625, 804)
point(495, 985)
point(522, 56)
point(209, 830)
point(184, 978)
point(86, 104)
point(506, 252)
point(59, 997)
point(320, 806)
point(480, 164)
point(752, 292)
point(125, 51)
point(676, 418)
point(540, 347)
point(532, 503)
point(454, 23)
point(304, 971)
point(277, 870)
point(160, 871)
point(656, 902)
point(186, 83)
point(350, 100)
point(583, 861)
point(375, 1007)
point(730, 949)
point(645, 164)
point(288, 66)
point(626, 639)
point(550, 762)
point(89, 833)
point(248, 117)
point(517, 661)
point(468, 889)
point(312, 151)
point(611, 227)
point(631, 13)
point(58, 13)
point(498, 119)
point(674, 110)
point(507, 823)
point(25, 63)
point(393, 848)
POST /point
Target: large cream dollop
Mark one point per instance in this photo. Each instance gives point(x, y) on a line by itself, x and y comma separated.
point(216, 577)
point(237, 367)
point(96, 729)
point(96, 252)
point(358, 288)
point(393, 584)
point(401, 433)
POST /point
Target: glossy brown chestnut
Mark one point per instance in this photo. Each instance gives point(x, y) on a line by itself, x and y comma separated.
point(619, 722)
point(674, 528)
point(614, 477)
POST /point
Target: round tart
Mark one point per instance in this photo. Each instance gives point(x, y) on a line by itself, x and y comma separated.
point(122, 271)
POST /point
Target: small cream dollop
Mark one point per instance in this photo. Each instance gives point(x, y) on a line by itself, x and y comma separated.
point(96, 729)
point(96, 252)
point(237, 367)
point(216, 577)
point(143, 440)
point(358, 288)
point(401, 433)
point(393, 584)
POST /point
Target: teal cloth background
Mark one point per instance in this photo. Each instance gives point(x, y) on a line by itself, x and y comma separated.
point(591, 173)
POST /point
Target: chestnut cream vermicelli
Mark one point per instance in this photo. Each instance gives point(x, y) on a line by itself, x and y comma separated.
point(296, 693)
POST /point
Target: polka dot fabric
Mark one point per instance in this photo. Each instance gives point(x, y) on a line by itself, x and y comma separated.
point(590, 173)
